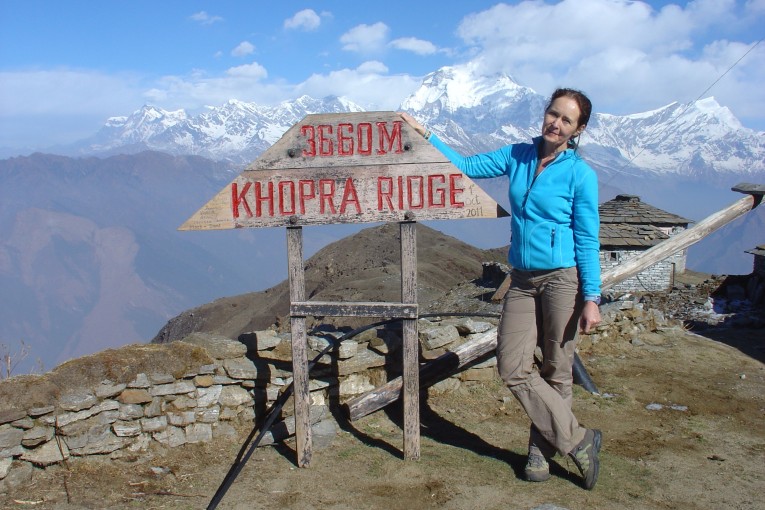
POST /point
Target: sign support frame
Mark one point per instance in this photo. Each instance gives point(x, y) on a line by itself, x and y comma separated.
point(407, 311)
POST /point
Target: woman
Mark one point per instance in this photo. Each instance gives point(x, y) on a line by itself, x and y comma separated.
point(555, 276)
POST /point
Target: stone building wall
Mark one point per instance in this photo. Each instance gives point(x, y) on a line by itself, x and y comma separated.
point(658, 277)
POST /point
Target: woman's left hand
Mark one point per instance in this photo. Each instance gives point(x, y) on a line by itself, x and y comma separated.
point(590, 316)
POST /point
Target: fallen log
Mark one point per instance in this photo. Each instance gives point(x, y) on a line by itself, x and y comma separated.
point(461, 356)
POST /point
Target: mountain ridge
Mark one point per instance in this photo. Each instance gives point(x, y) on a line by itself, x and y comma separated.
point(472, 112)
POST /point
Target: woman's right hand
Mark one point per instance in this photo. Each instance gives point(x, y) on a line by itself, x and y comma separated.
point(413, 122)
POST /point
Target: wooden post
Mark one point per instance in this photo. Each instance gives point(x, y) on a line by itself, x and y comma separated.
point(299, 349)
point(411, 373)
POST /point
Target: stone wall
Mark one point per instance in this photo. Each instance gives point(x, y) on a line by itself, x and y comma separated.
point(658, 277)
point(124, 402)
point(218, 398)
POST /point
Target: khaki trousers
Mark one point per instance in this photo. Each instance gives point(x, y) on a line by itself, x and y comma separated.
point(542, 307)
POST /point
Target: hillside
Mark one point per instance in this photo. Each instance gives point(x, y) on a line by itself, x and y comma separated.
point(681, 414)
point(361, 267)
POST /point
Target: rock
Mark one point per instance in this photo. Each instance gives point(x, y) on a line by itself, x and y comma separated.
point(10, 437)
point(354, 384)
point(5, 467)
point(173, 388)
point(19, 475)
point(260, 340)
point(140, 381)
point(126, 429)
point(156, 424)
point(232, 396)
point(78, 401)
point(323, 434)
point(218, 346)
point(171, 437)
point(347, 349)
point(62, 420)
point(244, 368)
point(134, 396)
point(11, 415)
point(435, 337)
point(51, 452)
point(107, 389)
point(199, 433)
point(208, 396)
point(37, 436)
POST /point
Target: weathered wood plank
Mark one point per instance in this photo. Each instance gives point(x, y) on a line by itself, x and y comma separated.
point(349, 194)
point(346, 168)
point(410, 343)
point(299, 348)
point(354, 309)
point(348, 139)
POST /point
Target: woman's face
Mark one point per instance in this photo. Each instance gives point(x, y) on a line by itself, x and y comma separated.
point(560, 122)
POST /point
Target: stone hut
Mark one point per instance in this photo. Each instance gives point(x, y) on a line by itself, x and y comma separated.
point(629, 227)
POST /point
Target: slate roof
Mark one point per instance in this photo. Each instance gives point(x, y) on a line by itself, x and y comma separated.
point(623, 235)
point(626, 222)
point(629, 209)
point(759, 250)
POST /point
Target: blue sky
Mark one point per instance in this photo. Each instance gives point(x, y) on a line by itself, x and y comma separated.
point(65, 67)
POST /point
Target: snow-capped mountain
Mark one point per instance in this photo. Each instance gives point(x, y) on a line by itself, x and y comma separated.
point(236, 131)
point(696, 139)
point(473, 113)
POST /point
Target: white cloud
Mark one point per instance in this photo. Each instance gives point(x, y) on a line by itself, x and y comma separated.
point(39, 108)
point(253, 71)
point(205, 19)
point(243, 49)
point(66, 91)
point(366, 38)
point(628, 56)
point(307, 20)
point(369, 85)
point(414, 45)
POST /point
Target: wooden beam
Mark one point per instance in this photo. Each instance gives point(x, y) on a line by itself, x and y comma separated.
point(430, 373)
point(680, 241)
point(354, 309)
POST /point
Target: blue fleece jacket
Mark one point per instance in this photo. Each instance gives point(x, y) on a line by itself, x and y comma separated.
point(555, 222)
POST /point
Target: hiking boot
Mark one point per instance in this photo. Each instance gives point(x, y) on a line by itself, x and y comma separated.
point(585, 456)
point(537, 468)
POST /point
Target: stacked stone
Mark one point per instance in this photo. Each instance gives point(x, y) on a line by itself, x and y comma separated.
point(209, 402)
point(627, 319)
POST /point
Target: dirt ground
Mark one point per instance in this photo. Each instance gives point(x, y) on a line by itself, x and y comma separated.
point(703, 449)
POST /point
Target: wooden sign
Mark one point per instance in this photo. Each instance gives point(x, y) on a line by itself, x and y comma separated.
point(346, 168)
